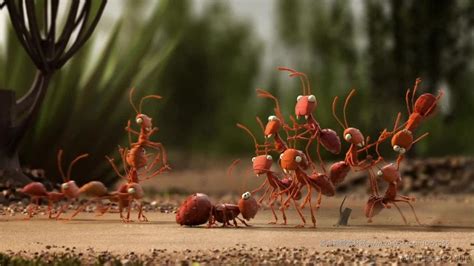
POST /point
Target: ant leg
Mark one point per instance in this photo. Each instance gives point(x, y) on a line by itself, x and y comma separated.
point(260, 187)
point(235, 223)
point(413, 210)
point(79, 209)
point(141, 215)
point(243, 221)
point(401, 213)
point(313, 216)
point(63, 209)
point(373, 182)
point(111, 161)
point(162, 149)
point(271, 203)
point(264, 195)
point(318, 150)
point(300, 214)
point(282, 210)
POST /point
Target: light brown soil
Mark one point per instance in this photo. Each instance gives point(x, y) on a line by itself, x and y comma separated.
point(448, 222)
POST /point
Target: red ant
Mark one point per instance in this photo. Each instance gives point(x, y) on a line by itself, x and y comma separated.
point(261, 164)
point(132, 190)
point(305, 105)
point(197, 209)
point(37, 191)
point(418, 110)
point(354, 136)
point(389, 173)
point(134, 155)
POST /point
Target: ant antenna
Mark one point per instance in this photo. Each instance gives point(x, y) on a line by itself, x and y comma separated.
point(407, 96)
point(130, 99)
point(303, 78)
point(253, 137)
point(334, 103)
point(59, 159)
point(345, 106)
point(265, 94)
point(74, 162)
point(260, 123)
point(232, 166)
point(421, 137)
point(147, 97)
point(417, 82)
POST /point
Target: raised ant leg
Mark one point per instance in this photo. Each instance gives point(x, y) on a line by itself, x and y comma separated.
point(401, 214)
point(260, 187)
point(116, 170)
point(159, 146)
point(79, 209)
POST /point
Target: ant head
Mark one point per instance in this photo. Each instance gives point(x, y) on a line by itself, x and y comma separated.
point(354, 136)
point(262, 163)
point(135, 190)
point(290, 159)
point(70, 189)
point(272, 127)
point(144, 121)
point(402, 141)
point(389, 173)
point(248, 206)
point(141, 118)
point(351, 134)
point(305, 105)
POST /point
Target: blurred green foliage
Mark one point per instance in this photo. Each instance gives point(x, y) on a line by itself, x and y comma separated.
point(206, 67)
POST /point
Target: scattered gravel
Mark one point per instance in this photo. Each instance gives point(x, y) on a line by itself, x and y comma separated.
point(242, 254)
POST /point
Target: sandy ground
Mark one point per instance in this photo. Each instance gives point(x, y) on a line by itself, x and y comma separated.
point(447, 222)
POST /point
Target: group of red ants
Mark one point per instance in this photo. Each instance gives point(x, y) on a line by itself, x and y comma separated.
point(298, 171)
point(138, 166)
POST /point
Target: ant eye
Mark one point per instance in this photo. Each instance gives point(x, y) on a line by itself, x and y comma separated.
point(272, 118)
point(396, 148)
point(281, 156)
point(299, 97)
point(253, 159)
point(312, 98)
point(65, 186)
point(379, 173)
point(402, 150)
point(348, 137)
point(131, 190)
point(269, 157)
point(298, 159)
point(139, 120)
point(246, 195)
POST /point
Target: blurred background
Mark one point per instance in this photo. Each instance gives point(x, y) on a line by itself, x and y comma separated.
point(206, 58)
